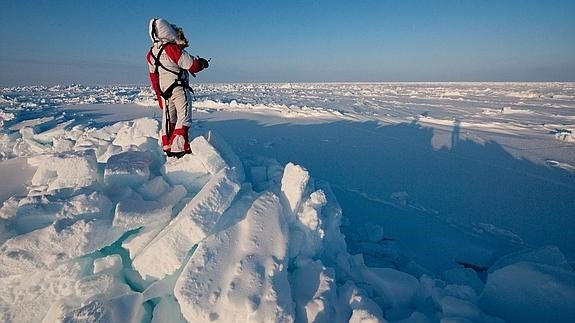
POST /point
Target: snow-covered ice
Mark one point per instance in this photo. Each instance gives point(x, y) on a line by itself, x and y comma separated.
point(376, 202)
point(64, 171)
point(132, 167)
point(192, 224)
point(240, 274)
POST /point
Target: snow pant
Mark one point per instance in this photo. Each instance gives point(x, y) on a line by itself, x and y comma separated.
point(176, 121)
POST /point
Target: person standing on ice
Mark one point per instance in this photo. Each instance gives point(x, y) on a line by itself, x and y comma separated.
point(169, 65)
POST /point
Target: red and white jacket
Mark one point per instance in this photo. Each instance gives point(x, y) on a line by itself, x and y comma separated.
point(173, 58)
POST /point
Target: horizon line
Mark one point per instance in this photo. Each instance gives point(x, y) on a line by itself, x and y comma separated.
point(104, 84)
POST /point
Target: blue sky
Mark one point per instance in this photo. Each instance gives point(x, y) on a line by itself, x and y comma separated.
point(105, 41)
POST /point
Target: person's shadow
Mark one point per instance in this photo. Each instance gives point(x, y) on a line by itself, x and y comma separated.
point(455, 133)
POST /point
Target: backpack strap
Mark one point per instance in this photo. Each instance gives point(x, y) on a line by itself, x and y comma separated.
point(157, 62)
point(180, 81)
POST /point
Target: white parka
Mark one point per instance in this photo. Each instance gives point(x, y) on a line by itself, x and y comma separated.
point(175, 61)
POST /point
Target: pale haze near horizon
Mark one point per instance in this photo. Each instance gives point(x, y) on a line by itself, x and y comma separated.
point(62, 42)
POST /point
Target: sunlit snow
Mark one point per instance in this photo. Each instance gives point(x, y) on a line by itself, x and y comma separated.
point(375, 202)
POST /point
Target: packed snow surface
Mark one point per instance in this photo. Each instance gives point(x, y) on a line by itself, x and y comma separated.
point(376, 202)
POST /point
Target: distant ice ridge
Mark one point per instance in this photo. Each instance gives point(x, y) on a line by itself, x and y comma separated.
point(544, 109)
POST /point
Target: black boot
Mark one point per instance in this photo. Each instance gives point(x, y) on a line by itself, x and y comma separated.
point(179, 154)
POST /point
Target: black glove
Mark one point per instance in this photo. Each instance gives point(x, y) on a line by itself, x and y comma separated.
point(203, 62)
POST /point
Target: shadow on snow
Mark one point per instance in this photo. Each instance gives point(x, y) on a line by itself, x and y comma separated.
point(441, 206)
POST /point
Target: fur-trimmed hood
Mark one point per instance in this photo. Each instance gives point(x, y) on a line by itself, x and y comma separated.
point(161, 31)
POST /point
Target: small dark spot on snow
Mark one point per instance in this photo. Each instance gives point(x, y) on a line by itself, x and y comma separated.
point(477, 268)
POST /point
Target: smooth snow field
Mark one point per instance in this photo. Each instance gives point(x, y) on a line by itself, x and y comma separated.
point(335, 202)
